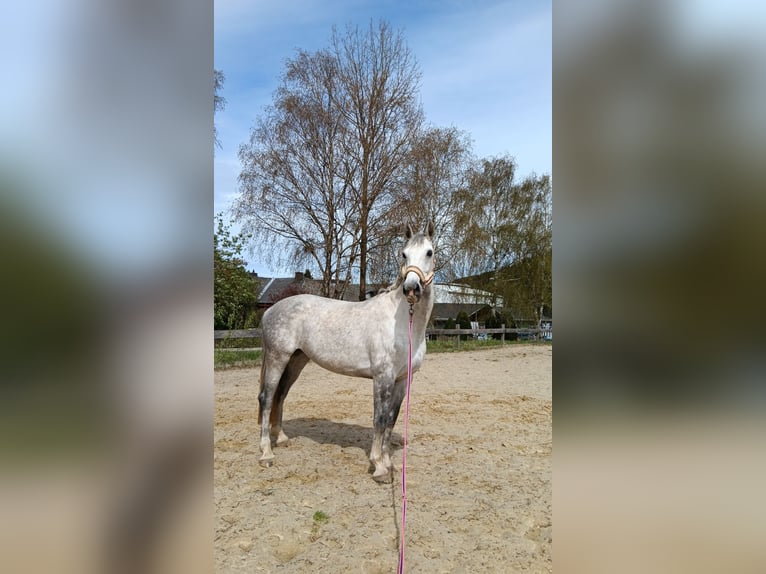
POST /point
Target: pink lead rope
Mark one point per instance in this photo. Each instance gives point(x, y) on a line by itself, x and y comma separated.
point(400, 569)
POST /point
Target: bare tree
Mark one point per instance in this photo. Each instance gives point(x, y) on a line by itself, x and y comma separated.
point(435, 169)
point(295, 182)
point(318, 170)
point(219, 102)
point(506, 225)
point(380, 80)
point(528, 285)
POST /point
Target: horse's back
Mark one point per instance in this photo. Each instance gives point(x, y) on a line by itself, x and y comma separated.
point(298, 308)
point(339, 335)
point(301, 318)
point(284, 320)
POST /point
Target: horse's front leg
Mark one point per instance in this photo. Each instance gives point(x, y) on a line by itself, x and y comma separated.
point(400, 389)
point(388, 396)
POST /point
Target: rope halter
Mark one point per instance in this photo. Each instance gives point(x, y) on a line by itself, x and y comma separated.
point(425, 280)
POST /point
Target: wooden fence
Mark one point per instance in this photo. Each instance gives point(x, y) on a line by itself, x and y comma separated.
point(237, 334)
point(536, 334)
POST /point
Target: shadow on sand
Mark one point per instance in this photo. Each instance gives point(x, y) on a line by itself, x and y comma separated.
point(344, 435)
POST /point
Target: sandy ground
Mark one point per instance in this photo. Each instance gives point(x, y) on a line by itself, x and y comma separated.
point(478, 471)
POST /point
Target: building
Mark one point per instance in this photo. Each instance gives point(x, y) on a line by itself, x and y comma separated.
point(450, 298)
point(272, 289)
point(453, 298)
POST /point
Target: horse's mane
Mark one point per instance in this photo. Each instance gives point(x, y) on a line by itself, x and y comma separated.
point(395, 285)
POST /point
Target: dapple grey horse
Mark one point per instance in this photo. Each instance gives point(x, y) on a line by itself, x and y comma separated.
point(366, 339)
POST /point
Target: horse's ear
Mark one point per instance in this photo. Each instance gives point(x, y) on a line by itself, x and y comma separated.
point(430, 230)
point(408, 233)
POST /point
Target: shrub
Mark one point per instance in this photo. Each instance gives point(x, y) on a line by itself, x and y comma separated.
point(234, 290)
point(253, 319)
point(464, 321)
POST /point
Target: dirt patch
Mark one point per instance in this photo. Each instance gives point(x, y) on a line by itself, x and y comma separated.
point(478, 471)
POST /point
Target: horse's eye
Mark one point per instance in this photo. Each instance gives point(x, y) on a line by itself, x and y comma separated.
point(404, 256)
point(429, 253)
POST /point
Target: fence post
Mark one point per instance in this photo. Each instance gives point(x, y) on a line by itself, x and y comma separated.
point(502, 336)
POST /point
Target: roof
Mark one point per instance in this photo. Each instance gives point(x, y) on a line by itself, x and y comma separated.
point(451, 310)
point(272, 289)
point(462, 293)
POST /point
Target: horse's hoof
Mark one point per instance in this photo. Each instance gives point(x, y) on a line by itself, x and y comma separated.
point(267, 463)
point(385, 478)
point(283, 441)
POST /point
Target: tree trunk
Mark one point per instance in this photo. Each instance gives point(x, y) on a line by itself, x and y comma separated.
point(363, 258)
point(365, 218)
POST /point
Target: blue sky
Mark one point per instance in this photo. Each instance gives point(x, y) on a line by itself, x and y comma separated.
point(486, 69)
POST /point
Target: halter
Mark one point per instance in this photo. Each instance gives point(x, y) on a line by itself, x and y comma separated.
point(425, 280)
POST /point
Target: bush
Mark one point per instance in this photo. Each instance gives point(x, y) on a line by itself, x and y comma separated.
point(464, 321)
point(234, 291)
point(493, 322)
point(253, 319)
point(505, 318)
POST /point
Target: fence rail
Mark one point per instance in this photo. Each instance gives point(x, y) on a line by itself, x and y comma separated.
point(237, 334)
point(531, 332)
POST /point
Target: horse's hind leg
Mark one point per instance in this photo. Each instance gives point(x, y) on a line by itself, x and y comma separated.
point(295, 365)
point(274, 364)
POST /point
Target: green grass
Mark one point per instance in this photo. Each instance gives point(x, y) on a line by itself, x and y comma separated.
point(238, 343)
point(227, 359)
point(448, 345)
point(320, 516)
point(232, 359)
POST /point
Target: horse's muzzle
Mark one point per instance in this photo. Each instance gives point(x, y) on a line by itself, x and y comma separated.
point(414, 283)
point(412, 291)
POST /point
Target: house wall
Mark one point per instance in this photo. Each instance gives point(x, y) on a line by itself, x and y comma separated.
point(456, 293)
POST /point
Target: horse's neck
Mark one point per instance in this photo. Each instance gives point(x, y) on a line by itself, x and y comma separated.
point(422, 309)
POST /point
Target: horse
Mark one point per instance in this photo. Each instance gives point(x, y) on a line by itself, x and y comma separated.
point(367, 339)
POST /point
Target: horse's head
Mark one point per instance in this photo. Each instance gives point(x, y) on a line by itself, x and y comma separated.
point(417, 262)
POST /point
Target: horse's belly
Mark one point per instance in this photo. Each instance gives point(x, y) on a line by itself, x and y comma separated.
point(345, 361)
point(350, 370)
